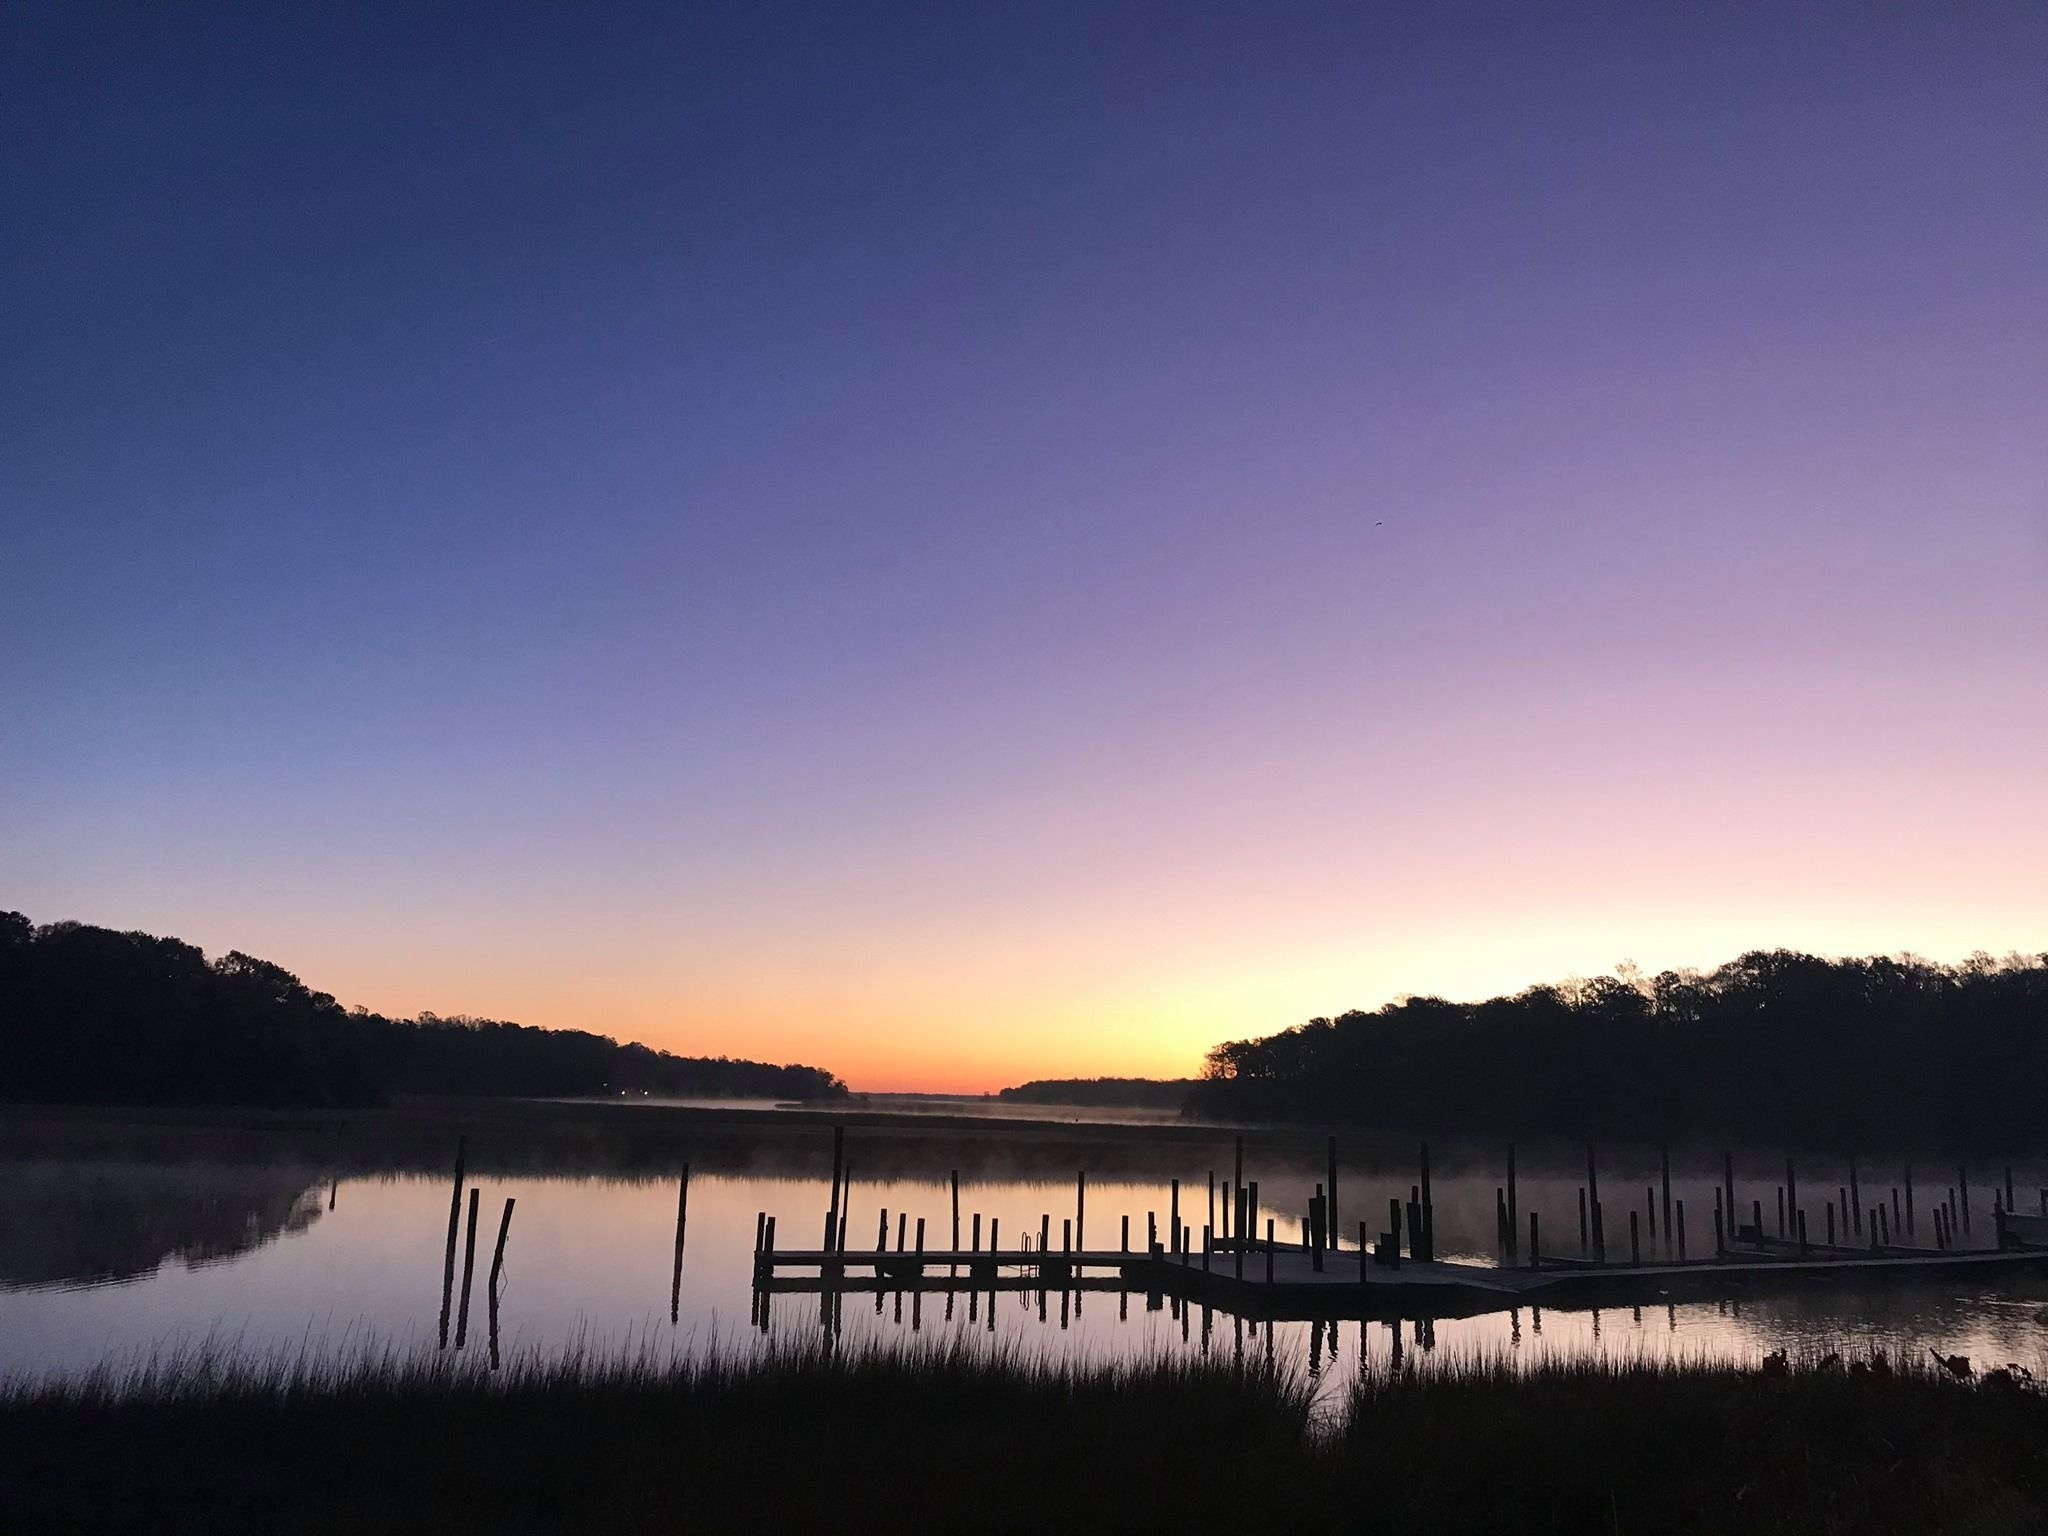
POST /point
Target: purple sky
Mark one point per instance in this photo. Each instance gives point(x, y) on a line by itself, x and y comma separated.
point(970, 542)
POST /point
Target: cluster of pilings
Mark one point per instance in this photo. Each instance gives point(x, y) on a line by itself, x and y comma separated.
point(494, 1286)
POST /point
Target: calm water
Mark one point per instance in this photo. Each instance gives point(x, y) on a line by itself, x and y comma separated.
point(104, 1261)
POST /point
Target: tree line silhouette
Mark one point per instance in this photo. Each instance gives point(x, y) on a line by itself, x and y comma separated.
point(89, 1015)
point(1773, 1044)
point(1101, 1092)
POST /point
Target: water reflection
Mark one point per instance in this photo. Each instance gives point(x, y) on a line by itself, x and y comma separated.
point(256, 1256)
point(97, 1223)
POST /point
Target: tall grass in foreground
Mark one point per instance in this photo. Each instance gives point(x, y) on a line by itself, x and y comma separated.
point(968, 1435)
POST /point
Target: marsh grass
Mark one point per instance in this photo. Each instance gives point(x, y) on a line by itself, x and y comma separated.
point(956, 1434)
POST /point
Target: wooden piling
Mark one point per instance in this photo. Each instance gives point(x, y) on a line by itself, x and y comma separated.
point(1963, 1184)
point(498, 1253)
point(1756, 1215)
point(1781, 1213)
point(1428, 1209)
point(1330, 1199)
point(1884, 1236)
point(1236, 1207)
point(1237, 1189)
point(977, 1233)
point(1535, 1243)
point(1720, 1247)
point(1209, 1219)
point(882, 1232)
point(1898, 1226)
point(1151, 1232)
point(1080, 1209)
point(1681, 1231)
point(675, 1280)
point(1394, 1229)
point(1514, 1224)
point(1269, 1250)
point(468, 1272)
point(1635, 1246)
point(956, 1210)
point(920, 1238)
point(1831, 1223)
point(454, 1228)
point(1912, 1225)
point(1650, 1218)
point(2008, 1186)
point(1803, 1249)
point(1364, 1255)
point(1855, 1200)
point(902, 1228)
point(1500, 1224)
point(1664, 1176)
point(1173, 1215)
point(839, 1184)
point(1791, 1190)
point(1045, 1232)
point(1585, 1232)
point(1728, 1188)
point(1124, 1240)
point(1252, 1209)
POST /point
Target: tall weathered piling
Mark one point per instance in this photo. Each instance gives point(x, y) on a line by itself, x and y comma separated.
point(1664, 1174)
point(1514, 1225)
point(838, 1183)
point(468, 1273)
point(454, 1228)
point(675, 1279)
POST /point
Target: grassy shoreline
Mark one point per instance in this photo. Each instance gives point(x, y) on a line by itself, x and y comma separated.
point(956, 1436)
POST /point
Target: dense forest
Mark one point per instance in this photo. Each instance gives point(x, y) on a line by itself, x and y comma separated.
point(1104, 1092)
point(88, 1015)
point(1776, 1043)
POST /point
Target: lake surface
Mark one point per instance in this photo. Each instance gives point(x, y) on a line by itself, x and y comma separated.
point(109, 1261)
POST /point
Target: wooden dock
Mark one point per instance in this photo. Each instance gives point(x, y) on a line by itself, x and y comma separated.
point(1342, 1287)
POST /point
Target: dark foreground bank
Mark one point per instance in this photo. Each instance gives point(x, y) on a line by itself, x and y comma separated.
point(963, 1439)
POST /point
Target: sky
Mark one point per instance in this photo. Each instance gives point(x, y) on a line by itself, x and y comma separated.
point(959, 543)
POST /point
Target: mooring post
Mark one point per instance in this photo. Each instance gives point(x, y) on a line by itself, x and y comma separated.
point(1236, 1208)
point(1664, 1178)
point(1855, 1200)
point(1123, 1241)
point(1514, 1222)
point(1364, 1255)
point(839, 1186)
point(1599, 1232)
point(1428, 1209)
point(1535, 1243)
point(1635, 1247)
point(1173, 1217)
point(1728, 1188)
point(1394, 1229)
point(902, 1228)
point(1963, 1184)
point(845, 1205)
point(1238, 1228)
point(882, 1232)
point(1252, 1207)
point(468, 1271)
point(1151, 1233)
point(1804, 1250)
point(1756, 1215)
point(1080, 1210)
point(454, 1227)
point(977, 1232)
point(675, 1282)
point(1781, 1213)
point(1912, 1225)
point(1791, 1188)
point(1269, 1250)
point(1209, 1218)
point(1650, 1216)
point(1842, 1201)
point(498, 1253)
point(1585, 1232)
point(1720, 1251)
point(1208, 1240)
point(1500, 1225)
point(1831, 1223)
point(1415, 1228)
point(1330, 1208)
point(1884, 1235)
point(2008, 1186)
point(956, 1210)
point(1045, 1232)
point(1681, 1231)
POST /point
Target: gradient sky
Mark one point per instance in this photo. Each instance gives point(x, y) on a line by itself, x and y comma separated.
point(966, 542)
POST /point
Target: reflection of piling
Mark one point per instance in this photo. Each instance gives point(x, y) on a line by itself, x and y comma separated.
point(454, 1224)
point(468, 1272)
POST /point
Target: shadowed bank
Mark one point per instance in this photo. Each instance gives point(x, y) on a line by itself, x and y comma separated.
point(959, 1437)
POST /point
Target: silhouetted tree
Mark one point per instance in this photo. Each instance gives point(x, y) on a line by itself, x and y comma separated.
point(88, 1015)
point(1774, 1043)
